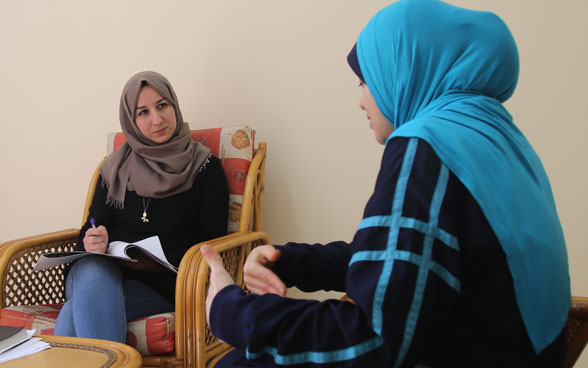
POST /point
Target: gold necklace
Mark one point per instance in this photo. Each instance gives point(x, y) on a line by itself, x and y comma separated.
point(145, 206)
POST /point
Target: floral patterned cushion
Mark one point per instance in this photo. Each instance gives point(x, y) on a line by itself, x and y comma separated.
point(235, 148)
point(153, 335)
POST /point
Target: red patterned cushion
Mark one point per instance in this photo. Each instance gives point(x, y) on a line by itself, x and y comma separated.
point(153, 335)
point(40, 317)
point(234, 146)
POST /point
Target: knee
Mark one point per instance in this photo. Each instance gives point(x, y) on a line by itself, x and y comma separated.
point(94, 266)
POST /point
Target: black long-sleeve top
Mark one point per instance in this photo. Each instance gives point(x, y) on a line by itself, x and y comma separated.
point(180, 221)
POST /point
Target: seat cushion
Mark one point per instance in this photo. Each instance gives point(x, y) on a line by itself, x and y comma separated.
point(153, 335)
point(234, 146)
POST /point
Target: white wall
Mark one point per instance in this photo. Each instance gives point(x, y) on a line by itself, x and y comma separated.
point(278, 66)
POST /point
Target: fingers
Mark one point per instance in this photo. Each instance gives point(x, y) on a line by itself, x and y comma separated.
point(213, 259)
point(265, 255)
point(262, 280)
point(96, 240)
point(258, 277)
point(273, 256)
point(219, 277)
point(260, 288)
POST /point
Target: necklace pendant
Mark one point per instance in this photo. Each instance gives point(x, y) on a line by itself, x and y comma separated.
point(145, 206)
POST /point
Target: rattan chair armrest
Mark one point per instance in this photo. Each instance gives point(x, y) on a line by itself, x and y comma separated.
point(17, 258)
point(191, 288)
point(576, 329)
point(9, 248)
point(580, 306)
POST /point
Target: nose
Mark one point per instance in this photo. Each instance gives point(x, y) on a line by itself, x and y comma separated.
point(157, 118)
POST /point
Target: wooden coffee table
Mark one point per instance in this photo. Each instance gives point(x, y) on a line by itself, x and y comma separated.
point(74, 352)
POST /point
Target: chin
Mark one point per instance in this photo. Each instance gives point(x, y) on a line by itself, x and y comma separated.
point(160, 140)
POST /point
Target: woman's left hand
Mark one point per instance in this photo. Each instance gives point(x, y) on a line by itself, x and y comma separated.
point(219, 277)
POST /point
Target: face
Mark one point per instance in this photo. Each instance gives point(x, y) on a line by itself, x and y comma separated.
point(381, 126)
point(155, 116)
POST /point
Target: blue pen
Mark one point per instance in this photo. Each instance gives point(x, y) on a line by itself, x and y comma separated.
point(93, 222)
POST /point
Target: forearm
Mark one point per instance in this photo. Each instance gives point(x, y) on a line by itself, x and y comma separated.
point(294, 330)
point(312, 267)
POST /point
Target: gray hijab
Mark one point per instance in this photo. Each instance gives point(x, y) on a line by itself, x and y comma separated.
point(153, 170)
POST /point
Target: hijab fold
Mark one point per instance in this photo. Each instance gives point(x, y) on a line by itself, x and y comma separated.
point(441, 73)
point(154, 170)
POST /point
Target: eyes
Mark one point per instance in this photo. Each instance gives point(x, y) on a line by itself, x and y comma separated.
point(160, 106)
point(361, 84)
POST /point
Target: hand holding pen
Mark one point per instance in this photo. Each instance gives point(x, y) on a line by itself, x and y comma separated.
point(96, 238)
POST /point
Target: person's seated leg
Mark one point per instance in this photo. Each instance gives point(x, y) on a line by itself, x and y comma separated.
point(97, 301)
point(142, 301)
point(64, 323)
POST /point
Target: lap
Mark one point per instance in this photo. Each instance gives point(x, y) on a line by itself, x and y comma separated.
point(141, 300)
point(92, 273)
point(236, 359)
point(95, 276)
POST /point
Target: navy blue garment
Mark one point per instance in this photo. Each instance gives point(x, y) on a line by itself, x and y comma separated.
point(429, 278)
point(441, 73)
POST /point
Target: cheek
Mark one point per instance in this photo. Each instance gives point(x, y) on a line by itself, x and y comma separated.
point(386, 129)
point(143, 125)
point(172, 120)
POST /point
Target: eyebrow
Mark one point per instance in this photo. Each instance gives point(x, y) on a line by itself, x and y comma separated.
point(156, 102)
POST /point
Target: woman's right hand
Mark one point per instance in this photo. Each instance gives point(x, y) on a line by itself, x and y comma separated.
point(96, 240)
point(257, 274)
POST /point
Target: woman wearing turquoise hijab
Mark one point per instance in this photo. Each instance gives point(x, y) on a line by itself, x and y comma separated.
point(460, 259)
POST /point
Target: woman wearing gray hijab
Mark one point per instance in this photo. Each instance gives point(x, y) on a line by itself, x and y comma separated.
point(159, 182)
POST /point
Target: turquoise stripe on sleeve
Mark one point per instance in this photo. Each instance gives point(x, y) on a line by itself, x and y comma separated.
point(397, 204)
point(416, 259)
point(448, 239)
point(441, 271)
point(319, 357)
point(446, 276)
point(375, 221)
point(424, 267)
point(366, 255)
point(423, 227)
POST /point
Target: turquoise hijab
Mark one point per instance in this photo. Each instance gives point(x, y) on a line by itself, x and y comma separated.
point(441, 73)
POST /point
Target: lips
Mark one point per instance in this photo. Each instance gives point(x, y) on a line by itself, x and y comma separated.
point(160, 131)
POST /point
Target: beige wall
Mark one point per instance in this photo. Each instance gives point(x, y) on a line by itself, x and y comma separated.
point(278, 66)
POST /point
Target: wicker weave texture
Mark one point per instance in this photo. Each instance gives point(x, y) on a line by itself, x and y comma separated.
point(577, 317)
point(23, 286)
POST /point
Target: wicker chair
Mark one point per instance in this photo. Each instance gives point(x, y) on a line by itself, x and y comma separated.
point(577, 330)
point(195, 346)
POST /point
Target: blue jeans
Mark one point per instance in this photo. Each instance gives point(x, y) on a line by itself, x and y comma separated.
point(99, 301)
